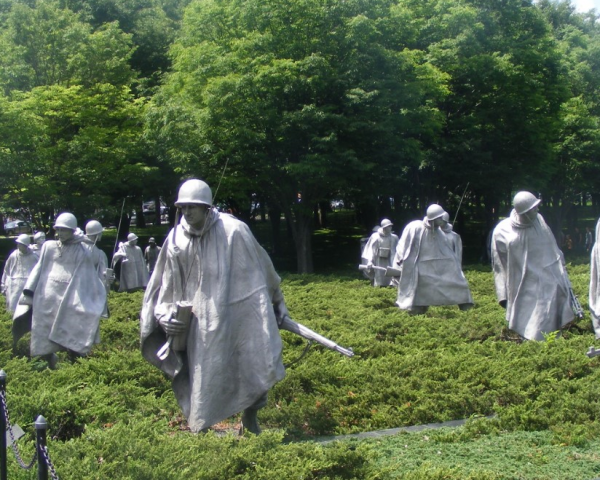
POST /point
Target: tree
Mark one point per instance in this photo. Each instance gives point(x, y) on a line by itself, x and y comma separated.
point(299, 100)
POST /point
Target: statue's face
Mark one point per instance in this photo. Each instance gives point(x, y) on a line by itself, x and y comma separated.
point(438, 222)
point(387, 230)
point(532, 214)
point(194, 214)
point(64, 234)
point(133, 243)
point(22, 248)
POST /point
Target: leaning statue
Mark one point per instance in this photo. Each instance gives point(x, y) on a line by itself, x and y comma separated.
point(431, 271)
point(529, 272)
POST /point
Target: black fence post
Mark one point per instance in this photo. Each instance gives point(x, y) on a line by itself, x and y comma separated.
point(40, 429)
point(3, 425)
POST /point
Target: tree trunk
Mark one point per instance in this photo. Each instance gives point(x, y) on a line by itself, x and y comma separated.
point(275, 220)
point(157, 219)
point(141, 221)
point(301, 223)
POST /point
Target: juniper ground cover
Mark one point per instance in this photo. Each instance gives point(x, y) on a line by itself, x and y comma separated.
point(114, 415)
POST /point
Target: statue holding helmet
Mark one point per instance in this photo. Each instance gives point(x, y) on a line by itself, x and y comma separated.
point(134, 274)
point(431, 273)
point(230, 352)
point(65, 294)
point(379, 251)
point(529, 272)
point(17, 268)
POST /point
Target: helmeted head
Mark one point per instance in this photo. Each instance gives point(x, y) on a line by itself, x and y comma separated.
point(524, 202)
point(446, 217)
point(66, 220)
point(23, 239)
point(93, 227)
point(65, 226)
point(132, 237)
point(386, 223)
point(434, 211)
point(152, 241)
point(194, 191)
point(39, 238)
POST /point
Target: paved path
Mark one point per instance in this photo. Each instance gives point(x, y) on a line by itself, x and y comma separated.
point(394, 431)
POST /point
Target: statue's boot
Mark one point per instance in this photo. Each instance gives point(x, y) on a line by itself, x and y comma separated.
point(250, 421)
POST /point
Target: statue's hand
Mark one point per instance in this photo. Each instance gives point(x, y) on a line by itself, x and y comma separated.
point(172, 326)
point(25, 299)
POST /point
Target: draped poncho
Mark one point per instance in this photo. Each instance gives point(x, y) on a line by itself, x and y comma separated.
point(233, 350)
point(68, 298)
point(134, 274)
point(595, 283)
point(17, 268)
point(431, 272)
point(380, 251)
point(530, 277)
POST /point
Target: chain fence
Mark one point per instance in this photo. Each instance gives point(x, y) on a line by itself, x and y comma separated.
point(41, 457)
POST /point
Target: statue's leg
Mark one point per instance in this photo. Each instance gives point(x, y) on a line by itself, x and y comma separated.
point(250, 416)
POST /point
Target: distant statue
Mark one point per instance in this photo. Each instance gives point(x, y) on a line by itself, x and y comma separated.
point(529, 272)
point(94, 230)
point(215, 292)
point(594, 298)
point(134, 274)
point(453, 237)
point(38, 240)
point(379, 252)
point(17, 268)
point(65, 294)
point(431, 272)
point(151, 254)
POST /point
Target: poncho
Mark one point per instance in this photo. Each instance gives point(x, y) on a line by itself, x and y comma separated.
point(100, 262)
point(134, 274)
point(68, 298)
point(431, 272)
point(595, 283)
point(234, 350)
point(380, 251)
point(455, 241)
point(530, 277)
point(151, 255)
point(17, 268)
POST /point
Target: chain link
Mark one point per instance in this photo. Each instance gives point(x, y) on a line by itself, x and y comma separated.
point(46, 456)
point(13, 445)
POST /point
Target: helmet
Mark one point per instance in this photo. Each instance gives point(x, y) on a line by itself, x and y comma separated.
point(38, 236)
point(194, 191)
point(434, 211)
point(131, 237)
point(446, 217)
point(23, 239)
point(66, 220)
point(386, 223)
point(93, 227)
point(151, 240)
point(525, 201)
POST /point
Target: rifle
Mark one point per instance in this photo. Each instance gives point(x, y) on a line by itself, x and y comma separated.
point(288, 324)
point(389, 271)
point(573, 300)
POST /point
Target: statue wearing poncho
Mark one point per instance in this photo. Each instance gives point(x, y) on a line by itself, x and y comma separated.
point(431, 271)
point(379, 252)
point(134, 274)
point(68, 298)
point(595, 283)
point(529, 273)
point(233, 350)
point(17, 268)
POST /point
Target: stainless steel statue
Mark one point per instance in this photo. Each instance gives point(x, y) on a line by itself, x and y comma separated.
point(529, 272)
point(38, 240)
point(134, 274)
point(211, 311)
point(431, 271)
point(379, 252)
point(94, 230)
point(151, 254)
point(65, 294)
point(594, 298)
point(17, 268)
